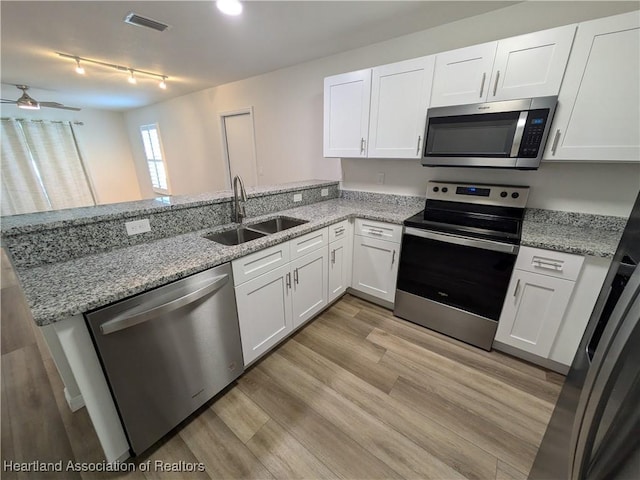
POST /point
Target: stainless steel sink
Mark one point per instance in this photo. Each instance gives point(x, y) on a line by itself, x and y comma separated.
point(235, 236)
point(277, 224)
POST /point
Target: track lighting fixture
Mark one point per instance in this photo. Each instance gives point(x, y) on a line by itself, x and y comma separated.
point(79, 68)
point(133, 73)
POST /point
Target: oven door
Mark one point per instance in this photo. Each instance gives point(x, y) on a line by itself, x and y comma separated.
point(466, 273)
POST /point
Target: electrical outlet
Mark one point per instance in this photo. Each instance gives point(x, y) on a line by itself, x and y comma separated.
point(297, 197)
point(380, 179)
point(324, 192)
point(135, 227)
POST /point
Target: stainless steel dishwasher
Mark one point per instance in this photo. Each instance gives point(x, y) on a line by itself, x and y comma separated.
point(167, 351)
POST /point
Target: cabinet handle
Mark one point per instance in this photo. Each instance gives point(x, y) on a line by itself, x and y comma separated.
point(362, 146)
point(288, 279)
point(495, 87)
point(340, 231)
point(375, 231)
point(484, 78)
point(418, 146)
point(548, 265)
point(333, 257)
point(295, 276)
point(556, 139)
point(515, 292)
point(393, 258)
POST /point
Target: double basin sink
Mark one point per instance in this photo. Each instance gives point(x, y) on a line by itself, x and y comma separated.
point(239, 235)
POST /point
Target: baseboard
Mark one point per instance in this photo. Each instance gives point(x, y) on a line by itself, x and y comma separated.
point(530, 357)
point(370, 298)
point(75, 403)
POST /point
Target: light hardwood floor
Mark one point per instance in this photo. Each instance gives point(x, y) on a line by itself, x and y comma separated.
point(356, 393)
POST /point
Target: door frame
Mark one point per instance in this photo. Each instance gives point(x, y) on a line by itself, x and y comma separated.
point(225, 149)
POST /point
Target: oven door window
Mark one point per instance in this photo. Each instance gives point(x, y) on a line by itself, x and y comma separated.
point(480, 135)
point(469, 278)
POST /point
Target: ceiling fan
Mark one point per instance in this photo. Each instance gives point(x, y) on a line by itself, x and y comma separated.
point(28, 103)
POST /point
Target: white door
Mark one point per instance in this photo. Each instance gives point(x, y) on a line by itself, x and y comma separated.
point(533, 311)
point(400, 95)
point(309, 281)
point(598, 114)
point(346, 114)
point(339, 260)
point(239, 146)
point(531, 65)
point(462, 76)
point(264, 312)
point(375, 267)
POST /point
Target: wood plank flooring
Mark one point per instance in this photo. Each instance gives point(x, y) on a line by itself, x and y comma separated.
point(355, 394)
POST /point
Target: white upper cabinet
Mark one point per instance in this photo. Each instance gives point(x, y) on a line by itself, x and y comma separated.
point(462, 76)
point(530, 65)
point(399, 100)
point(598, 114)
point(346, 114)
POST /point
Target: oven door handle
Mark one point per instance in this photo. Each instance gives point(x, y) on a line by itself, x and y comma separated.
point(465, 241)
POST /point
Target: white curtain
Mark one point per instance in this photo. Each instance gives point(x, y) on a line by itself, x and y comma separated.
point(41, 167)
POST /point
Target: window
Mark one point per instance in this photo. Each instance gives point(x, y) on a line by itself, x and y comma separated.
point(155, 162)
point(41, 167)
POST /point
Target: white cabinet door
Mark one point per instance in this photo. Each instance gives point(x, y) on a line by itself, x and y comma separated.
point(598, 114)
point(310, 283)
point(531, 65)
point(264, 312)
point(375, 267)
point(462, 76)
point(399, 100)
point(339, 262)
point(533, 311)
point(346, 114)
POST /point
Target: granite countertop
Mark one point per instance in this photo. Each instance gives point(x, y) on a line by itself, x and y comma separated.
point(59, 290)
point(582, 234)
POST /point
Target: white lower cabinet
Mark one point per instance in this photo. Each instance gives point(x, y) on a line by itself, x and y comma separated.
point(274, 303)
point(533, 311)
point(339, 263)
point(309, 286)
point(375, 263)
point(264, 312)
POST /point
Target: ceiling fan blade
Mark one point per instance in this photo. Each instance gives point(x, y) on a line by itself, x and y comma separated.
point(58, 105)
point(2, 100)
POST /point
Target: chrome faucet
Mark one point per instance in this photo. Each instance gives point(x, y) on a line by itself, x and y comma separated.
point(238, 203)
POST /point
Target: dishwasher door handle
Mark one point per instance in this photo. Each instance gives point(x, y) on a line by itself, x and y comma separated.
point(118, 324)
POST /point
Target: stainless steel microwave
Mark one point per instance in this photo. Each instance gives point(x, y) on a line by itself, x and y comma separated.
point(509, 134)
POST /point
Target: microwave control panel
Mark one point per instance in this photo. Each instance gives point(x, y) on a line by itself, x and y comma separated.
point(532, 136)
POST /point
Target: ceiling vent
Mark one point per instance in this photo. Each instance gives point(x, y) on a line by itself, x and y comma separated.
point(140, 21)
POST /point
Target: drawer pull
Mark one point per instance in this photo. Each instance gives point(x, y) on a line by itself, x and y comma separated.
point(339, 231)
point(375, 231)
point(556, 267)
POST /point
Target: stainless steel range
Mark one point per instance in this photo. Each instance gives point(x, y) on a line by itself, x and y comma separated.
point(457, 258)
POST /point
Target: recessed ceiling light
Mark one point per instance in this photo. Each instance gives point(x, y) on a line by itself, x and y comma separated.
point(229, 7)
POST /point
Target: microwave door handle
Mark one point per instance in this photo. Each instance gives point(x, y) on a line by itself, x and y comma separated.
point(120, 323)
point(517, 137)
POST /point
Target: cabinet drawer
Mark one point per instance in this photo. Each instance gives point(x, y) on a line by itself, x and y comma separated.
point(258, 263)
point(380, 230)
point(338, 231)
point(308, 243)
point(547, 262)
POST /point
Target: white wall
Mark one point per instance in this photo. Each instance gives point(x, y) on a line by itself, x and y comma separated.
point(288, 122)
point(103, 143)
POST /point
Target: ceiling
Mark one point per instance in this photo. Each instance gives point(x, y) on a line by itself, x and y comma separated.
point(203, 47)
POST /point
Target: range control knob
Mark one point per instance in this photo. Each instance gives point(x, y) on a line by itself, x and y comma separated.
point(515, 195)
point(436, 189)
point(445, 189)
point(503, 194)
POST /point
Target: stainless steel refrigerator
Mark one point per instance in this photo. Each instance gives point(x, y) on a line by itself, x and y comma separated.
point(594, 432)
